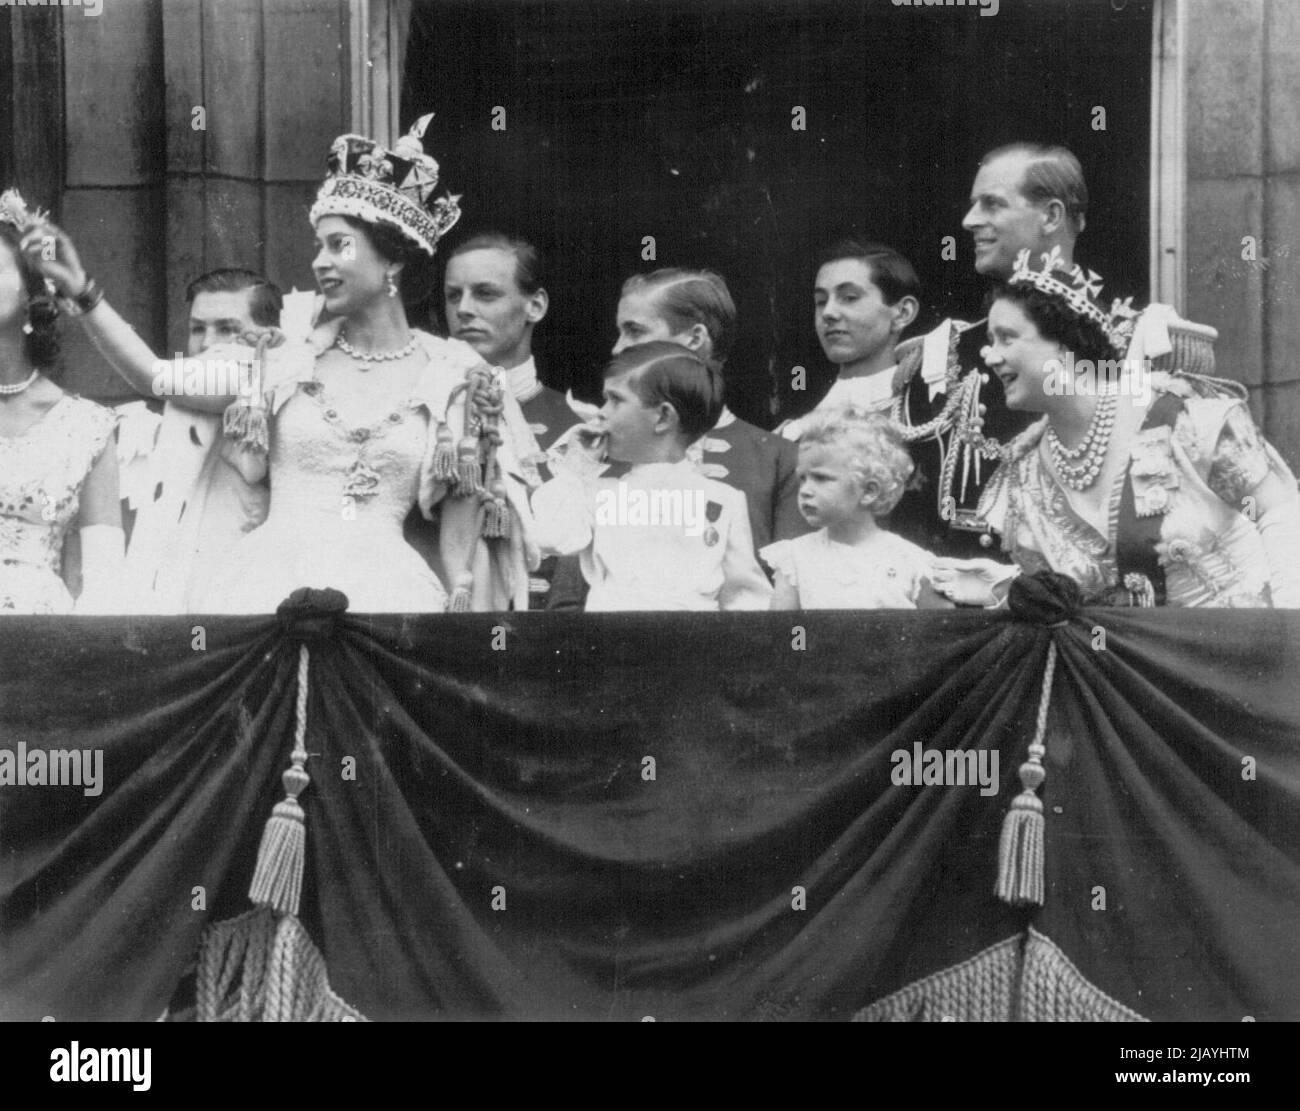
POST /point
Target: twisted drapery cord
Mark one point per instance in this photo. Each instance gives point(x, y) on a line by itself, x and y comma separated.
point(1020, 847)
point(978, 989)
point(1026, 978)
point(262, 967)
point(1054, 990)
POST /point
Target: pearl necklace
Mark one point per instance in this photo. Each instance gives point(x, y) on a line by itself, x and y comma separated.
point(375, 356)
point(18, 387)
point(1079, 467)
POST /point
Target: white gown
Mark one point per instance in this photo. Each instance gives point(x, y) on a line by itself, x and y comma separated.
point(340, 492)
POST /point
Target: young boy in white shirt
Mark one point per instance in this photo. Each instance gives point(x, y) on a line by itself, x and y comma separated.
point(663, 536)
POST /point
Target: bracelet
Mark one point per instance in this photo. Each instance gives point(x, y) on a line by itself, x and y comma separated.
point(84, 301)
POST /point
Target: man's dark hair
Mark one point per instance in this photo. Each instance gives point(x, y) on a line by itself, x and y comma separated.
point(892, 274)
point(1052, 173)
point(528, 259)
point(664, 371)
point(264, 302)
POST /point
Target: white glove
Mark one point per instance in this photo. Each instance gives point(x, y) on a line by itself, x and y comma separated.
point(579, 452)
point(103, 572)
point(1279, 528)
point(973, 582)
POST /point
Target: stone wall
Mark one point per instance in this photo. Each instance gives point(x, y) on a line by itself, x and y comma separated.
point(1243, 179)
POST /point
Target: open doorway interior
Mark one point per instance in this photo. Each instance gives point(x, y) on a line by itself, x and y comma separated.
point(675, 119)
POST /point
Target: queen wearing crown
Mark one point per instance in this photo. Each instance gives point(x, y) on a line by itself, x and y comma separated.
point(1146, 487)
point(358, 416)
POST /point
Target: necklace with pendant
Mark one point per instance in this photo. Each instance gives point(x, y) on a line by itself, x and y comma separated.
point(1079, 467)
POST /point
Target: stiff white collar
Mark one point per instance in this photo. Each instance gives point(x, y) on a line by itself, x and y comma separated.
point(871, 391)
point(523, 380)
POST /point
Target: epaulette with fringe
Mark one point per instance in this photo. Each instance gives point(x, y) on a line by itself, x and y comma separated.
point(1193, 351)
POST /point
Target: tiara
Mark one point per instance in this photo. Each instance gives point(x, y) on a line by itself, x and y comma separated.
point(1081, 291)
point(385, 186)
point(14, 210)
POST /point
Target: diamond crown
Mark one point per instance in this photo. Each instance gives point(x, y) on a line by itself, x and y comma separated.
point(393, 185)
point(1081, 290)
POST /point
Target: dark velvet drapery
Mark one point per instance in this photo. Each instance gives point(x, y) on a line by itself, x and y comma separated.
point(502, 760)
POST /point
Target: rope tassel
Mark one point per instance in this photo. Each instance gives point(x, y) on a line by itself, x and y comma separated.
point(444, 454)
point(496, 519)
point(1020, 848)
point(277, 879)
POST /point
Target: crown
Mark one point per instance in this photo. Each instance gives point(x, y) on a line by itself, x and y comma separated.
point(393, 187)
point(14, 210)
point(1081, 291)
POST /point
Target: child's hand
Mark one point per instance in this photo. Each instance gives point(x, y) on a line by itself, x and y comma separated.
point(581, 451)
point(972, 582)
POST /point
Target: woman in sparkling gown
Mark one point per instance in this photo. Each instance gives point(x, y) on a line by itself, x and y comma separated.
point(362, 416)
point(357, 415)
point(58, 468)
point(1147, 489)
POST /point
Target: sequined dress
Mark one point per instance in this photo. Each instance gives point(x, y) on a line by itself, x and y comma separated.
point(341, 489)
point(1198, 478)
point(42, 472)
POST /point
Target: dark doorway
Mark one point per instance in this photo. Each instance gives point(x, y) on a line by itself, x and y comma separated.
point(633, 118)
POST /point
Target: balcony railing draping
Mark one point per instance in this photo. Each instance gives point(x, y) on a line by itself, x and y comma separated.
point(620, 816)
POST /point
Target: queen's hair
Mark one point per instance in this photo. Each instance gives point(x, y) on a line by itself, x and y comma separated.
point(41, 344)
point(418, 279)
point(1056, 320)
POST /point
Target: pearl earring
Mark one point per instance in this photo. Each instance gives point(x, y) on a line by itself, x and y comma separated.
point(28, 328)
point(392, 286)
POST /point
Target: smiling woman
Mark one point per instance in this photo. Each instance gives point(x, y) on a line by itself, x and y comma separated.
point(57, 468)
point(1159, 495)
point(354, 422)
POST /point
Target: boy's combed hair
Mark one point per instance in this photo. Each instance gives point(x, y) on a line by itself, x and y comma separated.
point(892, 274)
point(687, 297)
point(668, 372)
point(528, 259)
point(265, 299)
point(876, 449)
